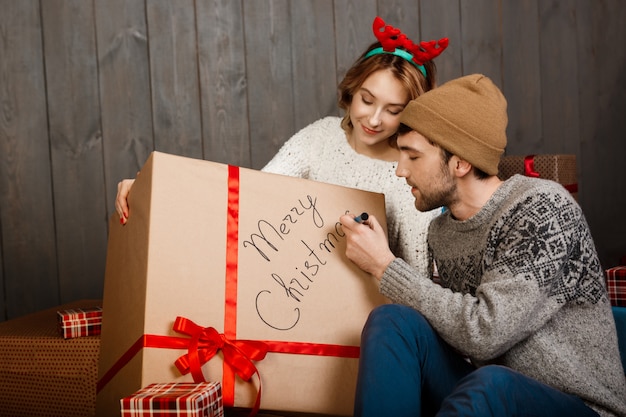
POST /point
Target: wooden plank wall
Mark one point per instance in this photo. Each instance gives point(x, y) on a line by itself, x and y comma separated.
point(88, 88)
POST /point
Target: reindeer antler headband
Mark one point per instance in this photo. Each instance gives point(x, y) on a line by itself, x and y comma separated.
point(392, 39)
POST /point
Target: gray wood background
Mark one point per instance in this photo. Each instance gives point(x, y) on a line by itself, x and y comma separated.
point(88, 88)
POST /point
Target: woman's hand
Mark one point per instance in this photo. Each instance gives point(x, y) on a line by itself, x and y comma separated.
point(367, 245)
point(121, 201)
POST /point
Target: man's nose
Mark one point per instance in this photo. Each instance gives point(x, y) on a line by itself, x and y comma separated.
point(401, 171)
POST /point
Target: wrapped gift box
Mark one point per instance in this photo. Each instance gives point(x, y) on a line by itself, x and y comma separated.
point(559, 168)
point(43, 374)
point(182, 399)
point(219, 263)
point(616, 285)
point(79, 322)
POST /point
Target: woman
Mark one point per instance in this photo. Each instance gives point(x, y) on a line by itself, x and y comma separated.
point(358, 150)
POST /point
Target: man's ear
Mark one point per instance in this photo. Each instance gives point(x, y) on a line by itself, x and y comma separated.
point(460, 167)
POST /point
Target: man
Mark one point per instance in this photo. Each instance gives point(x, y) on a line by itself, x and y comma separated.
point(521, 324)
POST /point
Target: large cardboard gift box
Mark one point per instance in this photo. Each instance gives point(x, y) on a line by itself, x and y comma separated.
point(558, 167)
point(237, 261)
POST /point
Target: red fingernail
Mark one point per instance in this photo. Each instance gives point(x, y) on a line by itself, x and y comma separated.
point(121, 220)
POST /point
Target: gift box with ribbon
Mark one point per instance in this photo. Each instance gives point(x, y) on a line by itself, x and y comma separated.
point(558, 167)
point(616, 285)
point(79, 322)
point(230, 274)
point(43, 374)
point(183, 399)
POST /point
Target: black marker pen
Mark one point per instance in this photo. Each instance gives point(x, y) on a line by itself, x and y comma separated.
point(361, 218)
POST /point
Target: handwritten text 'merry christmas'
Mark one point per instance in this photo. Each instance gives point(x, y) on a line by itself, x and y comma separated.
point(287, 288)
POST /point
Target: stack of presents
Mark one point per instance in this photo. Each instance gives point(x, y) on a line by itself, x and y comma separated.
point(228, 288)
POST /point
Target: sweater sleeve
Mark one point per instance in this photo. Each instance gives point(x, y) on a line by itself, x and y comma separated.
point(519, 284)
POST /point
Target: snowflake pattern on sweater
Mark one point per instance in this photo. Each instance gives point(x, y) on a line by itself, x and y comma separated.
point(547, 235)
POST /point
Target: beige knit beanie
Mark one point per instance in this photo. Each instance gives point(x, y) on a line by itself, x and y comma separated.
point(466, 116)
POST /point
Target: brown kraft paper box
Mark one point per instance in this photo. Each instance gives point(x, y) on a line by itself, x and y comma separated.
point(253, 255)
point(43, 374)
point(558, 167)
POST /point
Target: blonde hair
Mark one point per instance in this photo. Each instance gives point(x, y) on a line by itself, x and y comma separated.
point(404, 71)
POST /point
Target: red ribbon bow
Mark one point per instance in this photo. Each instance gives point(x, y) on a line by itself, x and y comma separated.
point(205, 342)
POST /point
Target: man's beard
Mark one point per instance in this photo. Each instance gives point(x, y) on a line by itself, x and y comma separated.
point(442, 194)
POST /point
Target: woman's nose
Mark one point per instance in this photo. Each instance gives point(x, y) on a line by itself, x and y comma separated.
point(375, 118)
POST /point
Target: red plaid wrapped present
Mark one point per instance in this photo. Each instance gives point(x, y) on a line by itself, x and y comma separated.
point(80, 322)
point(616, 285)
point(182, 399)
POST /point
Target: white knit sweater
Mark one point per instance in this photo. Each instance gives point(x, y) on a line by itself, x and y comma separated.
point(321, 152)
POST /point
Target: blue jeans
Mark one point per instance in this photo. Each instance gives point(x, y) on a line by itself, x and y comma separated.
point(406, 369)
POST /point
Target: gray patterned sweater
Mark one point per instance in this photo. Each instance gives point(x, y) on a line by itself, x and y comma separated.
point(522, 286)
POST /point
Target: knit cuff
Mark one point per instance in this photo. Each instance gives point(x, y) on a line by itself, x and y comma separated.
point(397, 278)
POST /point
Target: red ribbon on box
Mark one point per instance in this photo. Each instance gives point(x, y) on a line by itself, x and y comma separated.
point(205, 342)
point(529, 171)
point(529, 166)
